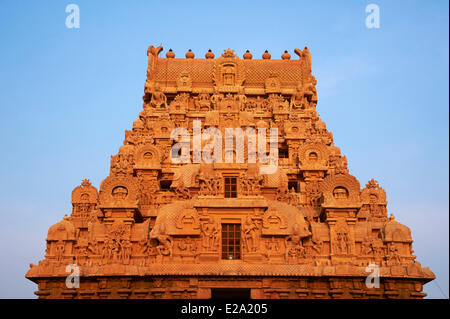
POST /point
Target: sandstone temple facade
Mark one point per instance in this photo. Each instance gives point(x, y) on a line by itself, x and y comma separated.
point(163, 229)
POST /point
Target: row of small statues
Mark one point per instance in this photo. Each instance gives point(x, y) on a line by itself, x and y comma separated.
point(119, 250)
point(305, 98)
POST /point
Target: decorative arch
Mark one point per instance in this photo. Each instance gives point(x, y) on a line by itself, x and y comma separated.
point(313, 155)
point(332, 188)
point(118, 192)
point(85, 193)
point(148, 156)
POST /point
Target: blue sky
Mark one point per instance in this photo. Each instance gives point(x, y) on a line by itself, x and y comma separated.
point(67, 95)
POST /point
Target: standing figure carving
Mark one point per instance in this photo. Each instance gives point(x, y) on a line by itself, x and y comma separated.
point(251, 234)
point(210, 230)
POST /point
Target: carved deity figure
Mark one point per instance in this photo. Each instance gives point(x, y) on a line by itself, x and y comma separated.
point(272, 245)
point(147, 196)
point(340, 166)
point(294, 248)
point(158, 99)
point(251, 234)
point(342, 244)
point(294, 199)
point(394, 256)
point(241, 99)
point(203, 102)
point(107, 250)
point(310, 92)
point(313, 194)
point(255, 184)
point(92, 247)
point(299, 101)
point(216, 98)
point(60, 248)
point(115, 250)
point(244, 186)
point(143, 246)
point(188, 247)
point(122, 164)
point(317, 246)
point(277, 103)
point(347, 243)
point(251, 185)
point(261, 104)
point(209, 183)
point(210, 229)
point(282, 194)
point(181, 101)
point(272, 248)
point(82, 250)
point(366, 247)
point(165, 245)
point(294, 244)
point(125, 250)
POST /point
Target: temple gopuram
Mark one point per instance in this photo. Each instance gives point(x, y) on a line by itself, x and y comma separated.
point(159, 228)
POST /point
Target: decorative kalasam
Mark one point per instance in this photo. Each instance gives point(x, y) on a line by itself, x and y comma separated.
point(160, 229)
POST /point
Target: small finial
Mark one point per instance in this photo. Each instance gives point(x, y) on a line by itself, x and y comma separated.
point(85, 183)
point(247, 55)
point(209, 54)
point(170, 54)
point(266, 55)
point(190, 54)
point(286, 55)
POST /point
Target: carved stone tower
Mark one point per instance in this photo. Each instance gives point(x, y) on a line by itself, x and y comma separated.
point(161, 228)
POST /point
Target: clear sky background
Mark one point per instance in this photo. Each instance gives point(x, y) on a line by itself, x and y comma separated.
point(68, 95)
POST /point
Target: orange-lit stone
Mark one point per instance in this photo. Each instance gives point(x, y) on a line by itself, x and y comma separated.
point(157, 229)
